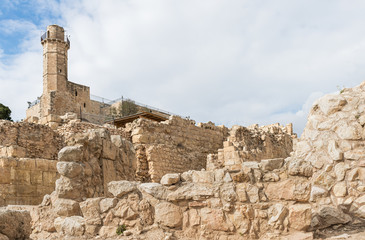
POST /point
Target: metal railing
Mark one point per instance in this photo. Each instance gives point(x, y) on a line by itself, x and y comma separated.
point(35, 102)
point(121, 99)
point(45, 36)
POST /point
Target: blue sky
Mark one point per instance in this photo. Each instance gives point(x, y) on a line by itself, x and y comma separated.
point(229, 62)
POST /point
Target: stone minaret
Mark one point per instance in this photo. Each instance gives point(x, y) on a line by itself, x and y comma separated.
point(55, 47)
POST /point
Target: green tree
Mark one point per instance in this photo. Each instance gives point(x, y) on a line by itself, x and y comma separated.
point(5, 112)
point(128, 107)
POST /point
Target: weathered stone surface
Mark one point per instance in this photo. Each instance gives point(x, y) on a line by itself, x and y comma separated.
point(328, 216)
point(203, 177)
point(331, 103)
point(278, 213)
point(107, 203)
point(213, 219)
point(155, 189)
point(70, 226)
point(15, 224)
point(340, 189)
point(317, 192)
point(168, 214)
point(66, 207)
point(69, 189)
point(297, 189)
point(120, 188)
point(271, 164)
point(192, 191)
point(300, 216)
point(170, 178)
point(71, 154)
point(91, 211)
point(340, 170)
point(70, 169)
point(300, 168)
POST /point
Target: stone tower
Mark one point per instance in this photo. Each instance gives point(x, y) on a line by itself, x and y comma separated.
point(55, 47)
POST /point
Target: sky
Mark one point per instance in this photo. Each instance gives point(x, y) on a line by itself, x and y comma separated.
point(232, 62)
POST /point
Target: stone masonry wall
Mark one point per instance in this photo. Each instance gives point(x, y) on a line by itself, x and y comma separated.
point(26, 180)
point(253, 143)
point(27, 162)
point(176, 145)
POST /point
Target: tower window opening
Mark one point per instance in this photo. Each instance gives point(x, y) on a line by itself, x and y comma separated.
point(75, 92)
point(60, 71)
point(84, 105)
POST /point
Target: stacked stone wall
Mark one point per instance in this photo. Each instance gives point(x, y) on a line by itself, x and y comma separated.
point(26, 180)
point(176, 145)
point(27, 162)
point(253, 143)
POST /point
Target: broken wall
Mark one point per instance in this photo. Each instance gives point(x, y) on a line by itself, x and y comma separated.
point(175, 145)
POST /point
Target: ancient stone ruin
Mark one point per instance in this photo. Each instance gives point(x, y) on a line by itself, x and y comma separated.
point(176, 179)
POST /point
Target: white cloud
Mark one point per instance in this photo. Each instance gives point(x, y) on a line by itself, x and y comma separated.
point(231, 62)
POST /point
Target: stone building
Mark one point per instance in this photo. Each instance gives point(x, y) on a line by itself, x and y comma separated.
point(61, 96)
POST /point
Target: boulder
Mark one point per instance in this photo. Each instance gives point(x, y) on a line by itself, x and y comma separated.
point(120, 188)
point(154, 189)
point(295, 189)
point(66, 207)
point(71, 154)
point(170, 178)
point(168, 215)
point(328, 216)
point(271, 164)
point(300, 216)
point(90, 209)
point(331, 103)
point(70, 169)
point(15, 224)
point(71, 226)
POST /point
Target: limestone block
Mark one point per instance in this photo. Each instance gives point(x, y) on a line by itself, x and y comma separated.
point(340, 189)
point(15, 224)
point(334, 152)
point(203, 177)
point(253, 193)
point(168, 214)
point(349, 132)
point(107, 231)
point(66, 207)
point(271, 164)
point(154, 189)
point(302, 149)
point(16, 151)
point(91, 211)
point(69, 189)
point(241, 192)
point(110, 150)
point(324, 179)
point(107, 203)
point(109, 172)
point(328, 216)
point(71, 226)
point(340, 170)
point(71, 154)
point(120, 188)
point(192, 191)
point(227, 192)
point(297, 189)
point(317, 192)
point(271, 177)
point(300, 216)
point(331, 103)
point(277, 213)
point(70, 169)
point(356, 154)
point(49, 178)
point(298, 167)
point(213, 219)
point(170, 178)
